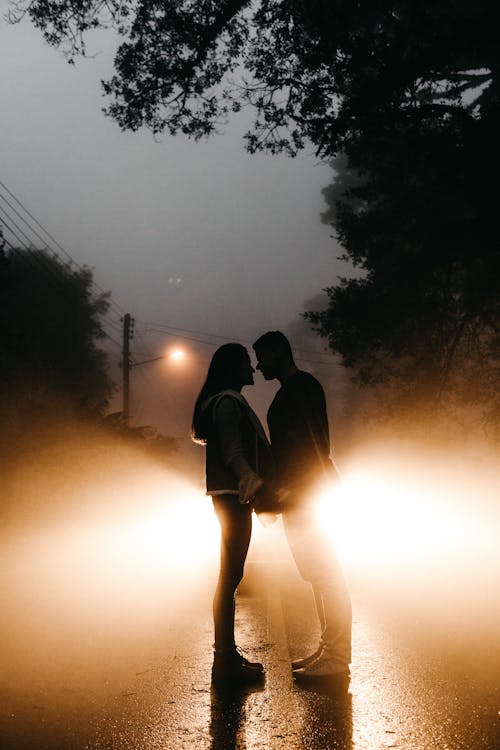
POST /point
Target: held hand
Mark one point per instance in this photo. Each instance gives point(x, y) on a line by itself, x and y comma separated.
point(248, 486)
point(267, 499)
point(282, 494)
point(266, 505)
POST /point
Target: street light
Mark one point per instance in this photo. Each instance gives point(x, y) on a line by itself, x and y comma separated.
point(176, 355)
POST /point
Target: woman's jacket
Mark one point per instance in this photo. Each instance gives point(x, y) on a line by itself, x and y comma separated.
point(253, 444)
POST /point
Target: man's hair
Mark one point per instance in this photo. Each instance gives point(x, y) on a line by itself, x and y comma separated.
point(274, 341)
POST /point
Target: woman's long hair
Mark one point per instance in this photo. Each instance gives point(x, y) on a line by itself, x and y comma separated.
point(222, 374)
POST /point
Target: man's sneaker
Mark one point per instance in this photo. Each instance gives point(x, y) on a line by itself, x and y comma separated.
point(301, 663)
point(323, 667)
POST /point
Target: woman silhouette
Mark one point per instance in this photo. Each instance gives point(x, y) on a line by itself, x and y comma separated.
point(238, 460)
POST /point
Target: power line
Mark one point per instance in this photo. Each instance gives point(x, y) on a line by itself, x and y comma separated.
point(160, 327)
point(185, 334)
point(39, 262)
point(51, 238)
point(116, 326)
point(118, 343)
point(14, 223)
point(27, 256)
point(34, 259)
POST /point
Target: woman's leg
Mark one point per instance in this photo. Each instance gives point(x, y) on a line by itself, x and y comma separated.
point(236, 528)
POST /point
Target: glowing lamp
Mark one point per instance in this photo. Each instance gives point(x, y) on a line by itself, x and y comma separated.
point(177, 355)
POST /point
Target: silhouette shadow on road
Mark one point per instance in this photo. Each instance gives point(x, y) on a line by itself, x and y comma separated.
point(327, 714)
point(228, 713)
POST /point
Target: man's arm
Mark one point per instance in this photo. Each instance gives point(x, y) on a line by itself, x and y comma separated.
point(310, 424)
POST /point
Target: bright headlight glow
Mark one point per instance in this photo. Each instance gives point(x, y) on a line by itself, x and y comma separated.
point(161, 541)
point(372, 519)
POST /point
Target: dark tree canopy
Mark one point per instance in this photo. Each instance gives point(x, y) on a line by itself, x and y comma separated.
point(316, 69)
point(423, 227)
point(406, 93)
point(51, 328)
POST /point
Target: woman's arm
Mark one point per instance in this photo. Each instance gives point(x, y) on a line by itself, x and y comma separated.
point(227, 416)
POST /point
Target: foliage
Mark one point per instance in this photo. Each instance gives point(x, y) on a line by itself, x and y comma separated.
point(406, 93)
point(316, 69)
point(414, 206)
point(51, 326)
point(424, 312)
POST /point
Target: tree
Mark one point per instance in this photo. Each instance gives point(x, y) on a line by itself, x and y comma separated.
point(424, 313)
point(406, 93)
point(316, 69)
point(50, 320)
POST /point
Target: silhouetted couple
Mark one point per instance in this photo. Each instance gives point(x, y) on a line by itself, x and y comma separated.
point(245, 472)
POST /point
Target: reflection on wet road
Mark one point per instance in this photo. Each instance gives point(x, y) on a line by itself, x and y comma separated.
point(229, 715)
point(151, 691)
point(107, 645)
point(106, 632)
point(326, 717)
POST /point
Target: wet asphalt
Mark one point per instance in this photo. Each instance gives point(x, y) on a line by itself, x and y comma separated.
point(412, 687)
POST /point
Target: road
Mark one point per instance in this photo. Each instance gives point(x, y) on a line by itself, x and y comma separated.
point(119, 688)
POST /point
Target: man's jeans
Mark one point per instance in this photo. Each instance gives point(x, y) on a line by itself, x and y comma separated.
point(317, 563)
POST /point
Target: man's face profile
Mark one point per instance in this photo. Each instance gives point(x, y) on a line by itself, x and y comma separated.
point(266, 363)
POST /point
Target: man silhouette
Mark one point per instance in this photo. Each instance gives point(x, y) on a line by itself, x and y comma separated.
point(298, 427)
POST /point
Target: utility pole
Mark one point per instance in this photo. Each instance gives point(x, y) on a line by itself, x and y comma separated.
point(128, 333)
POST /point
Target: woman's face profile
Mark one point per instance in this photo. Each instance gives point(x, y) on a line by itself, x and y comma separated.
point(246, 370)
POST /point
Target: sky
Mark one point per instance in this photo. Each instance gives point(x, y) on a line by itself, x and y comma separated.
point(200, 236)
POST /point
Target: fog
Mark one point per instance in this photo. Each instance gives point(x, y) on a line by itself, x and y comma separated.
point(199, 242)
point(181, 232)
point(103, 548)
